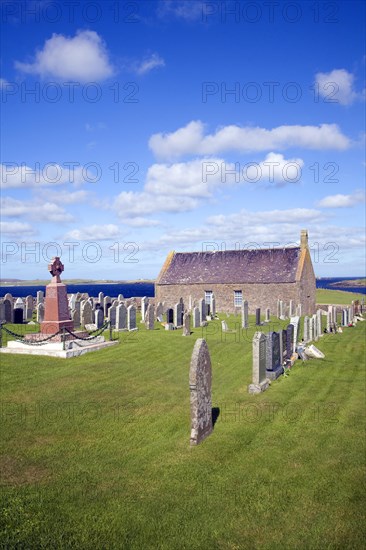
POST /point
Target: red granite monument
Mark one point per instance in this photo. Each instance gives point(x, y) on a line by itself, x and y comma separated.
point(56, 314)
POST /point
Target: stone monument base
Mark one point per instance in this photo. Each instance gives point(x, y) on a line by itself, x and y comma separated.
point(274, 374)
point(56, 349)
point(258, 388)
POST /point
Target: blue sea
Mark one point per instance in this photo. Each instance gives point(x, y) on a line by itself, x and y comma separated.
point(130, 290)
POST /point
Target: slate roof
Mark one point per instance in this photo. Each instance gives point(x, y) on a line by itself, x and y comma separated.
point(277, 265)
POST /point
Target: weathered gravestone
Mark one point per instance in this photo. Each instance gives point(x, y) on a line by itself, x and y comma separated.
point(101, 298)
point(295, 322)
point(2, 311)
point(144, 304)
point(344, 317)
point(150, 317)
point(28, 307)
point(299, 310)
point(75, 316)
point(289, 340)
point(319, 314)
point(98, 318)
point(258, 316)
point(259, 379)
point(213, 305)
point(159, 310)
point(306, 329)
point(40, 312)
point(131, 318)
point(8, 310)
point(86, 313)
point(291, 308)
point(244, 315)
point(120, 298)
point(268, 315)
point(178, 314)
point(200, 381)
point(40, 296)
point(107, 302)
point(187, 324)
point(202, 308)
point(19, 311)
point(274, 367)
point(284, 345)
point(121, 317)
point(278, 308)
point(112, 316)
point(196, 318)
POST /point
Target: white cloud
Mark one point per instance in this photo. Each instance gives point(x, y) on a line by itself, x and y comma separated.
point(94, 233)
point(15, 175)
point(191, 139)
point(342, 201)
point(16, 229)
point(337, 86)
point(129, 204)
point(64, 197)
point(149, 63)
point(81, 58)
point(182, 9)
point(37, 211)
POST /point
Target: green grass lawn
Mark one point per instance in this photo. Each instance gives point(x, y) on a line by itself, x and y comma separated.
point(95, 449)
point(324, 296)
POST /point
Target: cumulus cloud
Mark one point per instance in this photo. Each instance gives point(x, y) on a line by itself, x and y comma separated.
point(149, 63)
point(342, 201)
point(19, 229)
point(192, 140)
point(337, 86)
point(187, 10)
point(15, 175)
point(130, 204)
point(94, 233)
point(82, 58)
point(37, 211)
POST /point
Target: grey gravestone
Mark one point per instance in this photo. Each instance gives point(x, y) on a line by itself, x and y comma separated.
point(75, 316)
point(144, 304)
point(18, 316)
point(315, 327)
point(178, 315)
point(299, 310)
point(196, 318)
point(112, 316)
point(101, 298)
point(106, 301)
point(120, 297)
point(200, 382)
point(278, 309)
point(131, 318)
point(202, 308)
point(280, 342)
point(268, 315)
point(159, 310)
point(258, 316)
point(306, 329)
point(28, 307)
point(273, 359)
point(40, 312)
point(281, 309)
point(99, 318)
point(329, 320)
point(244, 315)
point(344, 317)
point(8, 310)
point(213, 305)
point(19, 304)
point(2, 311)
point(40, 296)
point(284, 345)
point(72, 301)
point(187, 324)
point(86, 313)
point(121, 317)
point(295, 322)
point(319, 322)
point(311, 329)
point(259, 379)
point(289, 340)
point(291, 308)
point(150, 317)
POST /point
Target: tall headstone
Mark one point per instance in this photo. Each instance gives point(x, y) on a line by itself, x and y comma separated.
point(289, 340)
point(291, 308)
point(72, 301)
point(106, 304)
point(268, 315)
point(299, 310)
point(28, 307)
point(282, 312)
point(319, 322)
point(86, 313)
point(75, 316)
point(244, 315)
point(159, 310)
point(200, 382)
point(40, 297)
point(187, 324)
point(170, 316)
point(144, 304)
point(196, 318)
point(202, 307)
point(258, 316)
point(295, 323)
point(98, 318)
point(131, 317)
point(311, 329)
point(315, 327)
point(273, 356)
point(178, 315)
point(40, 312)
point(306, 329)
point(2, 311)
point(19, 311)
point(150, 317)
point(101, 298)
point(278, 309)
point(213, 305)
point(121, 317)
point(344, 317)
point(329, 320)
point(112, 316)
point(259, 379)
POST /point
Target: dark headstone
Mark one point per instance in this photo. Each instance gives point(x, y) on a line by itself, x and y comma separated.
point(258, 316)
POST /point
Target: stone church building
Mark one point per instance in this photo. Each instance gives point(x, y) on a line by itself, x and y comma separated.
point(259, 276)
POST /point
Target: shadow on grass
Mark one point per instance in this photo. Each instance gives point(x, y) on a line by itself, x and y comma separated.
point(215, 415)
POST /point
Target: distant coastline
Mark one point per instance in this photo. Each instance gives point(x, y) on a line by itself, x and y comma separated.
point(358, 283)
point(36, 282)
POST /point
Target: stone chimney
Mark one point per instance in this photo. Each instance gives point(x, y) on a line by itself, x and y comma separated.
point(304, 239)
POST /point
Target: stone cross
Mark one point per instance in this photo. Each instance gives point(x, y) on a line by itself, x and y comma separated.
point(200, 382)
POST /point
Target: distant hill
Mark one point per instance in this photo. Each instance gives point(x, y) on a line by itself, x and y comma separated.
point(351, 282)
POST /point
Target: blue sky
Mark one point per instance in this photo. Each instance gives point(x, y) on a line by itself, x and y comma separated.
point(130, 129)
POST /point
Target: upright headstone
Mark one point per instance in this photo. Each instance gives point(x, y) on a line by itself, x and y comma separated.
point(86, 313)
point(2, 311)
point(329, 320)
point(244, 315)
point(98, 318)
point(106, 302)
point(112, 315)
point(120, 298)
point(131, 318)
point(196, 318)
point(284, 345)
point(273, 359)
point(178, 315)
point(319, 322)
point(40, 297)
point(40, 312)
point(159, 310)
point(289, 340)
point(315, 327)
point(75, 316)
point(259, 379)
point(295, 322)
point(187, 324)
point(282, 313)
point(121, 317)
point(213, 305)
point(200, 381)
point(150, 317)
point(101, 298)
point(299, 310)
point(19, 311)
point(291, 308)
point(202, 307)
point(306, 329)
point(28, 307)
point(170, 316)
point(278, 309)
point(258, 316)
point(344, 317)
point(144, 304)
point(268, 315)
point(72, 300)
point(311, 329)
